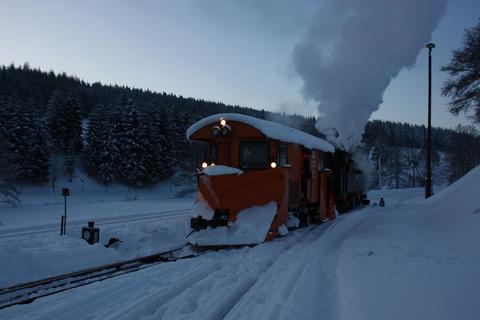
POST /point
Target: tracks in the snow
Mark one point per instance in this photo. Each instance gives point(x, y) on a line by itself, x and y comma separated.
point(246, 289)
point(164, 215)
point(28, 292)
point(214, 288)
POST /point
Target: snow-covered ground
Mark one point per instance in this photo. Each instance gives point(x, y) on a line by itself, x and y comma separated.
point(146, 221)
point(412, 259)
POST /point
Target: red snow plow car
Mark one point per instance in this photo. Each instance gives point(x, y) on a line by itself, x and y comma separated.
point(259, 177)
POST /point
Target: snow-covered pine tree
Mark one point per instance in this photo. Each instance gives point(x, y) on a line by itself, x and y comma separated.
point(27, 145)
point(72, 134)
point(158, 131)
point(135, 160)
point(54, 105)
point(69, 165)
point(174, 134)
point(102, 152)
point(41, 152)
point(9, 194)
point(65, 122)
point(185, 153)
point(95, 132)
point(108, 156)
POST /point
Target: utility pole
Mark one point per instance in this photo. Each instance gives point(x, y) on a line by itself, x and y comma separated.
point(428, 177)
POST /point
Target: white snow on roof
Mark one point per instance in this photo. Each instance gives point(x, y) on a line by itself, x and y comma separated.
point(218, 170)
point(271, 129)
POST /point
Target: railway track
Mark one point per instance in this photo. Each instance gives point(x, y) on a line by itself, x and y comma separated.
point(26, 231)
point(28, 292)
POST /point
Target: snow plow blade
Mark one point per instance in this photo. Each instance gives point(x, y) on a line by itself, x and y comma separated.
point(230, 194)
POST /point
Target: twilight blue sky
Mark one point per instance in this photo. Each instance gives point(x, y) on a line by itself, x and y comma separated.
point(237, 52)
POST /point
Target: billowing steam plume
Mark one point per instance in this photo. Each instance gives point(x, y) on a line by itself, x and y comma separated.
point(351, 52)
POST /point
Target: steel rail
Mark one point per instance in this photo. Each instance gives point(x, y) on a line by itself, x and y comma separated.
point(30, 291)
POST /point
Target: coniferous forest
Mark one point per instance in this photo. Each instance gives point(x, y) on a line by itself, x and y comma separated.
point(51, 124)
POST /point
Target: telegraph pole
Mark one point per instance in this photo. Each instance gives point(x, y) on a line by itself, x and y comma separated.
point(428, 177)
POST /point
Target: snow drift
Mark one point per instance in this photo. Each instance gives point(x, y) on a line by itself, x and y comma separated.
point(251, 227)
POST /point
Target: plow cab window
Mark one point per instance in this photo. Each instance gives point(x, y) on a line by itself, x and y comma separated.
point(282, 154)
point(253, 155)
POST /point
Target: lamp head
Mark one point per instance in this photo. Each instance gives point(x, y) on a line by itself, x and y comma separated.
point(430, 45)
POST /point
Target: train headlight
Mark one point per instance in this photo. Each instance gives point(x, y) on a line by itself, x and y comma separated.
point(216, 131)
point(273, 164)
point(223, 122)
point(212, 164)
point(204, 165)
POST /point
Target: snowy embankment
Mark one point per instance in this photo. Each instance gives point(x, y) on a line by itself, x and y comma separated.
point(416, 261)
point(146, 221)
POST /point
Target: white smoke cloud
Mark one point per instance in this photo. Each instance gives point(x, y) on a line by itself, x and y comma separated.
point(351, 52)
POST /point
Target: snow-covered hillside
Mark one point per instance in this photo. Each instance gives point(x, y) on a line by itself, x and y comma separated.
point(412, 259)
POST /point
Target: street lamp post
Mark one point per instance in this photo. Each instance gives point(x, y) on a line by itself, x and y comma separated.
point(428, 177)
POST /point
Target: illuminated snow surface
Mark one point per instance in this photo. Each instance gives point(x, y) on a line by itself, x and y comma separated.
point(412, 259)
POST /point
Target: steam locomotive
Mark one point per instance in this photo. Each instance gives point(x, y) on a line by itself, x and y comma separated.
point(260, 178)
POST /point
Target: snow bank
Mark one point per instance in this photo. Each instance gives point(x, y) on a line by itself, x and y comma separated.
point(271, 129)
point(418, 260)
point(251, 227)
point(461, 192)
point(218, 170)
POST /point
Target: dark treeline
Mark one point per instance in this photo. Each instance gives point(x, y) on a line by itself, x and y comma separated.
point(398, 152)
point(52, 123)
